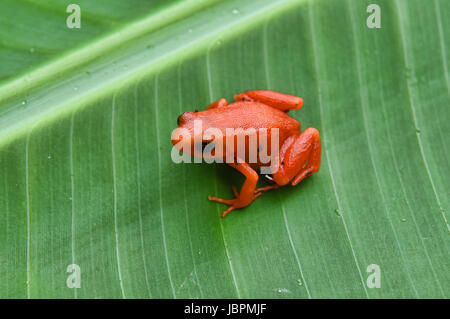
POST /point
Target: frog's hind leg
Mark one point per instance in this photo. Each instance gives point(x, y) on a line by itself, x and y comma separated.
point(281, 101)
point(301, 159)
point(247, 194)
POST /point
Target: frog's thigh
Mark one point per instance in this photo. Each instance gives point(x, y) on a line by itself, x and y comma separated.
point(303, 156)
point(281, 101)
point(251, 180)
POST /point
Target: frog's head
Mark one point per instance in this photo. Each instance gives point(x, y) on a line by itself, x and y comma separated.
point(192, 136)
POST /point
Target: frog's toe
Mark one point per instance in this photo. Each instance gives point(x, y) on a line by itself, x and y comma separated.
point(221, 200)
point(227, 211)
point(230, 202)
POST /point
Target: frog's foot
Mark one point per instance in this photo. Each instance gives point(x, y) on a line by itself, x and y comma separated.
point(229, 202)
point(221, 200)
point(247, 194)
point(235, 203)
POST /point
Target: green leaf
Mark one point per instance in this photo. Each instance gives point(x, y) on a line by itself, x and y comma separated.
point(86, 175)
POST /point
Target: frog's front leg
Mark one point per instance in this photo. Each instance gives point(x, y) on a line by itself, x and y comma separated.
point(281, 101)
point(219, 103)
point(247, 194)
point(300, 159)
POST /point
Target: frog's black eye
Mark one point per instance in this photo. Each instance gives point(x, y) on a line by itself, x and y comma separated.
point(178, 119)
point(206, 143)
point(201, 147)
point(196, 111)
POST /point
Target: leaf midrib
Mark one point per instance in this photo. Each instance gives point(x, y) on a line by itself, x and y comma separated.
point(90, 51)
point(51, 96)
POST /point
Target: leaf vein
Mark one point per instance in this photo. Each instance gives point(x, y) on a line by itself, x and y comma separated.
point(311, 20)
point(364, 101)
point(208, 69)
point(116, 232)
point(138, 176)
point(160, 189)
point(180, 103)
point(72, 189)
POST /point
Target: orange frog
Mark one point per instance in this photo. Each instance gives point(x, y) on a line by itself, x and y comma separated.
point(296, 155)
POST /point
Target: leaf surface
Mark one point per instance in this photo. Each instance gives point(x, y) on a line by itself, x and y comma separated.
point(86, 175)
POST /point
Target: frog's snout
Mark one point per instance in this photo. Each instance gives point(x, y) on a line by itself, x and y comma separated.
point(185, 117)
point(182, 118)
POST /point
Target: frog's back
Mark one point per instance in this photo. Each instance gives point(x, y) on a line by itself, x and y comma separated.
point(251, 115)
